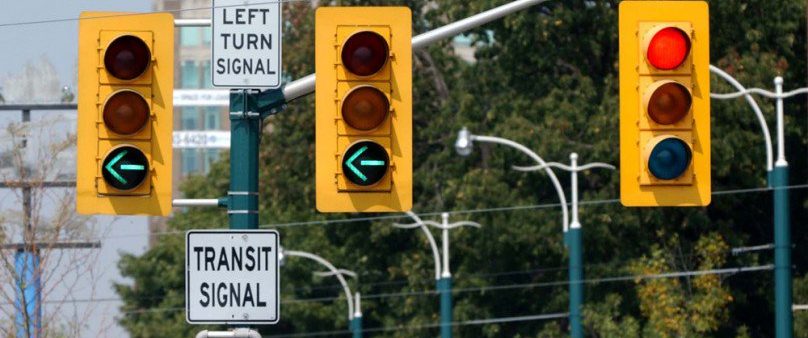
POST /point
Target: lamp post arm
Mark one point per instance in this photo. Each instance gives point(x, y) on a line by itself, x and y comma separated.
point(429, 237)
point(538, 159)
point(542, 166)
point(462, 223)
point(345, 272)
point(767, 138)
point(333, 270)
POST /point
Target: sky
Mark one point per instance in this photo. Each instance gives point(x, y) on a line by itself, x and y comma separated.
point(57, 42)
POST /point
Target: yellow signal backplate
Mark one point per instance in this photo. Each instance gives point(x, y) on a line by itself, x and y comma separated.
point(635, 16)
point(96, 31)
point(333, 26)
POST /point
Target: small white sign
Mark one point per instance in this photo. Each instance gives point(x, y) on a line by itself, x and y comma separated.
point(231, 277)
point(201, 98)
point(209, 139)
point(246, 48)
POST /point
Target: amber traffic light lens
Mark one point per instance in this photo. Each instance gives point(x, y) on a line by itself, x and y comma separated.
point(668, 48)
point(669, 102)
point(365, 108)
point(126, 112)
point(127, 57)
point(365, 53)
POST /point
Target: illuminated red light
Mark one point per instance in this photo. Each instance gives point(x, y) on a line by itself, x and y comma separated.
point(668, 48)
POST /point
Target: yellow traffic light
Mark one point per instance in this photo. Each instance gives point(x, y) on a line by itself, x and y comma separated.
point(664, 103)
point(125, 104)
point(364, 109)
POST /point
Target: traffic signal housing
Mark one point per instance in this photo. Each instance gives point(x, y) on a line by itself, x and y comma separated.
point(363, 109)
point(664, 103)
point(125, 108)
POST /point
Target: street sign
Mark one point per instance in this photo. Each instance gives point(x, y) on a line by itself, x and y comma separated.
point(246, 48)
point(365, 163)
point(208, 139)
point(125, 168)
point(231, 277)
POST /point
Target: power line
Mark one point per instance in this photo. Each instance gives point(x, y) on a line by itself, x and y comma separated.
point(480, 289)
point(484, 321)
point(458, 212)
point(37, 22)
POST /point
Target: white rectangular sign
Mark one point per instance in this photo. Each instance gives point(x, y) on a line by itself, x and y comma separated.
point(231, 277)
point(208, 139)
point(201, 98)
point(246, 48)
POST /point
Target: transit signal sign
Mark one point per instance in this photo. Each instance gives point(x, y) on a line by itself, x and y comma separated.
point(125, 113)
point(364, 109)
point(664, 103)
point(231, 277)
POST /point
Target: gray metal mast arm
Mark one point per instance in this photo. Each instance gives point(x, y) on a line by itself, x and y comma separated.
point(305, 85)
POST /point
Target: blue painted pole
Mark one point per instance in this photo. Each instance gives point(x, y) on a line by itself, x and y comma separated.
point(29, 295)
point(782, 254)
point(245, 131)
point(356, 326)
point(576, 276)
point(445, 291)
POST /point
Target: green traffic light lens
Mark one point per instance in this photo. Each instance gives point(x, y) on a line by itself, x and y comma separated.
point(126, 112)
point(127, 57)
point(365, 53)
point(365, 108)
point(669, 158)
point(125, 168)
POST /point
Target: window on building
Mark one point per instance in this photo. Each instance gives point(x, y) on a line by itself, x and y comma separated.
point(211, 156)
point(190, 75)
point(206, 81)
point(189, 36)
point(212, 118)
point(190, 119)
point(206, 32)
point(190, 161)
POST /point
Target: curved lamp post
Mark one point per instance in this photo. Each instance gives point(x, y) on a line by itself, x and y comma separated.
point(444, 277)
point(354, 317)
point(573, 234)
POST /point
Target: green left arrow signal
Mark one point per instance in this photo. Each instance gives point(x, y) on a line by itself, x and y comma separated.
point(368, 163)
point(111, 167)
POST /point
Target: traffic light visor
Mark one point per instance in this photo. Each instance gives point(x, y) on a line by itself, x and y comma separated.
point(365, 108)
point(365, 53)
point(127, 57)
point(669, 157)
point(667, 101)
point(126, 112)
point(668, 48)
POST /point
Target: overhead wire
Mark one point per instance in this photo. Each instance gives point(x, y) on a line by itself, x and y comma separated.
point(46, 21)
point(500, 287)
point(456, 212)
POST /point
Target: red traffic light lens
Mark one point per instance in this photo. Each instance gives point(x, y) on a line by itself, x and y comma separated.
point(669, 102)
point(668, 48)
point(365, 53)
point(126, 112)
point(127, 57)
point(365, 108)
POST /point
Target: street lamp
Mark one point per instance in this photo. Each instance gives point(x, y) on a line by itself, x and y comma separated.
point(443, 278)
point(354, 317)
point(573, 234)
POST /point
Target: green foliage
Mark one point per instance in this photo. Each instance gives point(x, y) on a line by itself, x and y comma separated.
point(546, 78)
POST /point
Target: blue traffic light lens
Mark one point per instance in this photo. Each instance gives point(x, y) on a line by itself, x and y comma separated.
point(669, 159)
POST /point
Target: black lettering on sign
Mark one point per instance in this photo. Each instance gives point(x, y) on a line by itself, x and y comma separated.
point(231, 295)
point(245, 16)
point(239, 66)
point(250, 258)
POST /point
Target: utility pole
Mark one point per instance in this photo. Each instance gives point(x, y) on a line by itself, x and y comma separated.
point(27, 267)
